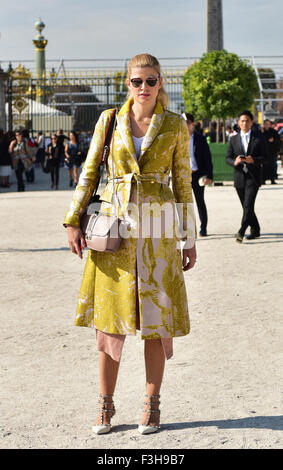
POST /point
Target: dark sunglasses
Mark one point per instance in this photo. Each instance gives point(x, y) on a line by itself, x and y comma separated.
point(137, 82)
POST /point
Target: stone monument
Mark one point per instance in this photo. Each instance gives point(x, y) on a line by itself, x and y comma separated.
point(40, 69)
point(214, 25)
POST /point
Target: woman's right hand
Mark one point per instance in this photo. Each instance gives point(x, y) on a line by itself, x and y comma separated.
point(76, 240)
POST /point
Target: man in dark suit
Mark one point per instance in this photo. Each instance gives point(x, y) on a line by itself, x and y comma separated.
point(272, 142)
point(202, 172)
point(246, 153)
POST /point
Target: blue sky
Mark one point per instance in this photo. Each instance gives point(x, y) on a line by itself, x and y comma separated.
point(92, 29)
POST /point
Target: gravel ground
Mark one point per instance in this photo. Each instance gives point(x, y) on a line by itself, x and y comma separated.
point(222, 389)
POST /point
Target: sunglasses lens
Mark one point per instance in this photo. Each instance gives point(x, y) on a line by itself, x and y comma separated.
point(151, 81)
point(136, 82)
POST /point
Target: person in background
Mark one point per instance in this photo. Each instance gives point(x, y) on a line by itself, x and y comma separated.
point(235, 130)
point(246, 152)
point(72, 158)
point(272, 142)
point(20, 157)
point(199, 128)
point(31, 147)
point(212, 132)
point(228, 132)
point(5, 160)
point(280, 133)
point(41, 149)
point(202, 170)
point(53, 152)
point(61, 137)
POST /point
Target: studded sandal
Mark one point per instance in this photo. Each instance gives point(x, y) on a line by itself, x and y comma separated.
point(104, 408)
point(147, 428)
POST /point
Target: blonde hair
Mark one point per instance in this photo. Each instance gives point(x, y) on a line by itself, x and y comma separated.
point(147, 60)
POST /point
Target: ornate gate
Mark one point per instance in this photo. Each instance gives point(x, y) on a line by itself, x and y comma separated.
point(70, 101)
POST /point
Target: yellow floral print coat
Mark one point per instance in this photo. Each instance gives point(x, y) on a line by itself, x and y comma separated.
point(144, 277)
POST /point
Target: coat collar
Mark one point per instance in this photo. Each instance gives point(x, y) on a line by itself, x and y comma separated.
point(123, 125)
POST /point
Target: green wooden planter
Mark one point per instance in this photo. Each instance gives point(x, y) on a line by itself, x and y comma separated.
point(221, 170)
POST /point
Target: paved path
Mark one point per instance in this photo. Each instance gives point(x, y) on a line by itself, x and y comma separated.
point(222, 387)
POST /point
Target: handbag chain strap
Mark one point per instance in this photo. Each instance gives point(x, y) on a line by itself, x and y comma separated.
point(108, 142)
point(116, 198)
point(106, 147)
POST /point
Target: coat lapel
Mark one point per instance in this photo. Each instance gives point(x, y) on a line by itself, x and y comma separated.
point(123, 126)
point(153, 130)
point(240, 149)
point(252, 136)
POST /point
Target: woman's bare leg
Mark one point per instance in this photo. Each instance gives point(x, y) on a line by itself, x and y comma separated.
point(108, 372)
point(70, 174)
point(75, 170)
point(154, 365)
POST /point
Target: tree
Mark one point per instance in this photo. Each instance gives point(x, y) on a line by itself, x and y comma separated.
point(219, 86)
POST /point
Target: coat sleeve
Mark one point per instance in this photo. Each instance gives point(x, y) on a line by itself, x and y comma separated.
point(90, 173)
point(181, 185)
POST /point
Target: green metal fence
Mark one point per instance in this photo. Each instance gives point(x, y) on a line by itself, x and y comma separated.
point(221, 170)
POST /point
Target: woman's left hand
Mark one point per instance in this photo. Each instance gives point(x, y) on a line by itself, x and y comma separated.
point(191, 255)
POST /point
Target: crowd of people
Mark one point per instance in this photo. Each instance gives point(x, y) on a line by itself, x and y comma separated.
point(272, 133)
point(22, 153)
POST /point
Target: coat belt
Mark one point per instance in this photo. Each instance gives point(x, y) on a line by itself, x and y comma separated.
point(152, 177)
point(130, 178)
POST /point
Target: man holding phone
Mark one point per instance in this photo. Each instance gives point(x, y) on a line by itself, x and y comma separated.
point(246, 152)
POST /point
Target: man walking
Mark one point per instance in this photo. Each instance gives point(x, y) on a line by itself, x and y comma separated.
point(272, 141)
point(246, 152)
point(202, 171)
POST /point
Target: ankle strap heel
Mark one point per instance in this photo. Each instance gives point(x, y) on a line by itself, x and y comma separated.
point(104, 408)
point(147, 428)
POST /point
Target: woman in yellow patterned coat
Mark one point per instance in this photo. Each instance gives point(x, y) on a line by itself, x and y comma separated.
point(141, 286)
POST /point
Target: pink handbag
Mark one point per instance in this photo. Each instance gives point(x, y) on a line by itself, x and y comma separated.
point(101, 231)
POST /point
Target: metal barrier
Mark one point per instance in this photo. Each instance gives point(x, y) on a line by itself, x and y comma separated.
point(70, 103)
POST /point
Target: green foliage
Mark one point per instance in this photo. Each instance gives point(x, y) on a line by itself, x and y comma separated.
point(120, 88)
point(220, 85)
